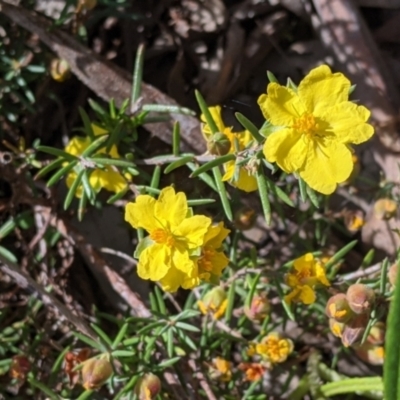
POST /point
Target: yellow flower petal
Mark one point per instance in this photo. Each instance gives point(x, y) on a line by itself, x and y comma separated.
point(141, 213)
point(77, 145)
point(193, 230)
point(153, 262)
point(171, 206)
point(307, 295)
point(347, 121)
point(216, 115)
point(245, 182)
point(326, 166)
point(287, 148)
point(110, 180)
point(321, 89)
point(216, 235)
point(173, 280)
point(281, 105)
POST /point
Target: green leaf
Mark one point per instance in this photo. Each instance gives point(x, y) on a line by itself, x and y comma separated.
point(391, 367)
point(61, 172)
point(200, 202)
point(87, 123)
point(72, 190)
point(161, 108)
point(176, 139)
point(117, 196)
point(213, 163)
point(82, 206)
point(312, 196)
point(354, 385)
point(226, 205)
point(102, 335)
point(277, 191)
point(137, 74)
point(340, 254)
point(263, 190)
point(120, 336)
point(94, 146)
point(117, 162)
point(206, 112)
point(204, 177)
point(8, 255)
point(57, 152)
point(178, 163)
point(49, 167)
point(272, 77)
point(247, 124)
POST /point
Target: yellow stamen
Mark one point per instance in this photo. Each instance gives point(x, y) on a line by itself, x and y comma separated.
point(306, 124)
point(162, 236)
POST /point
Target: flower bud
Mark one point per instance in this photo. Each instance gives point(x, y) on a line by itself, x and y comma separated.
point(360, 298)
point(354, 329)
point(220, 370)
point(259, 308)
point(86, 4)
point(338, 308)
point(245, 218)
point(60, 70)
point(95, 372)
point(354, 220)
point(371, 354)
point(214, 302)
point(218, 144)
point(377, 333)
point(385, 209)
point(392, 274)
point(336, 327)
point(19, 368)
point(148, 386)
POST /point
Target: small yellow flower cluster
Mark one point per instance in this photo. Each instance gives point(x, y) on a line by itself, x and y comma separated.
point(348, 313)
point(245, 180)
point(107, 178)
point(273, 348)
point(313, 127)
point(306, 274)
point(181, 249)
point(220, 370)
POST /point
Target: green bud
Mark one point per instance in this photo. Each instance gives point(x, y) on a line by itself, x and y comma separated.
point(95, 372)
point(218, 144)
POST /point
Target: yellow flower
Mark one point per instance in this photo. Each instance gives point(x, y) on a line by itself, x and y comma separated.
point(245, 180)
point(313, 128)
point(107, 178)
point(307, 272)
point(212, 260)
point(274, 348)
point(220, 370)
point(253, 371)
point(214, 302)
point(174, 238)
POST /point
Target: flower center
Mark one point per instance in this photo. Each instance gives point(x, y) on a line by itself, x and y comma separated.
point(162, 236)
point(276, 349)
point(306, 124)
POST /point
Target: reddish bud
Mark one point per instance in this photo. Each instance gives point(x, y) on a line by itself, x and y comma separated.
point(19, 368)
point(259, 308)
point(95, 372)
point(148, 387)
point(354, 329)
point(245, 218)
point(338, 308)
point(385, 209)
point(360, 298)
point(60, 70)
